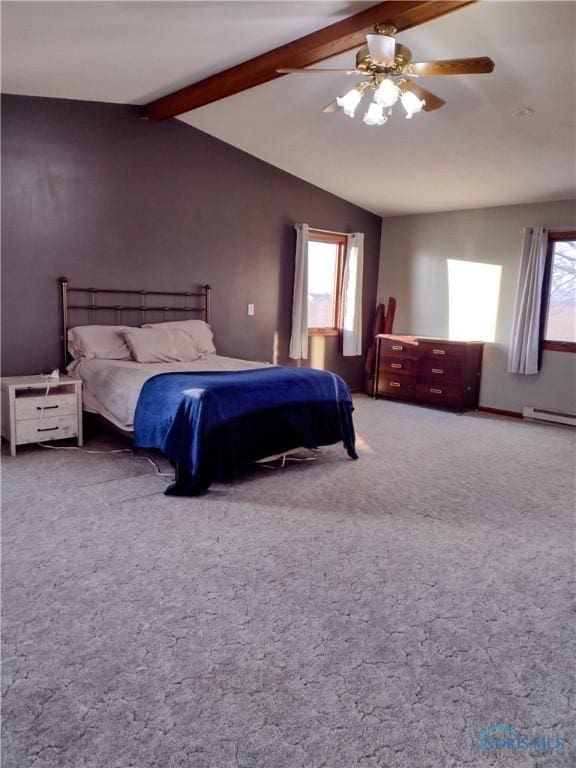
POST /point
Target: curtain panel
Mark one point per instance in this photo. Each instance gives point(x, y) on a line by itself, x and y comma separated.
point(299, 337)
point(352, 296)
point(524, 351)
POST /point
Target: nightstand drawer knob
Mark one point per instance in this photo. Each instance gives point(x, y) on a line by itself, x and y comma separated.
point(397, 347)
point(46, 407)
point(394, 383)
point(47, 429)
point(438, 351)
point(395, 365)
point(435, 391)
point(437, 370)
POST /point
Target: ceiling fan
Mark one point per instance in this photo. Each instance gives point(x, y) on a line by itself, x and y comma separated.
point(387, 67)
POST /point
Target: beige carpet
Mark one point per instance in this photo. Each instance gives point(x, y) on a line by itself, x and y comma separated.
point(330, 615)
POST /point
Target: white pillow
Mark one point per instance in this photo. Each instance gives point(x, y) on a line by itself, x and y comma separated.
point(161, 345)
point(98, 341)
point(199, 330)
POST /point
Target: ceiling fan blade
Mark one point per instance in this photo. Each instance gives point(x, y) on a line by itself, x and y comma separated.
point(332, 107)
point(479, 66)
point(431, 102)
point(296, 71)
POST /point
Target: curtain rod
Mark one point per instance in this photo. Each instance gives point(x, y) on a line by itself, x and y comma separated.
point(552, 229)
point(330, 231)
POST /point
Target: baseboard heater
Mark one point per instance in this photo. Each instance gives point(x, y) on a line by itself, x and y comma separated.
point(556, 417)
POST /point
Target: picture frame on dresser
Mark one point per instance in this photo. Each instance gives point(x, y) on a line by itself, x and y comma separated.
point(39, 409)
point(427, 370)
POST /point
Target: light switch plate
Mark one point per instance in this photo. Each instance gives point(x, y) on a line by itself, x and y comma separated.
point(251, 309)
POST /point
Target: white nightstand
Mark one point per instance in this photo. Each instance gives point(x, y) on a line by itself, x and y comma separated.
point(30, 415)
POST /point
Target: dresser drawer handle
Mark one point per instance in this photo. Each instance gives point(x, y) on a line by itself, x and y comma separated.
point(437, 370)
point(394, 383)
point(395, 365)
point(48, 429)
point(436, 391)
point(438, 351)
point(46, 408)
point(397, 347)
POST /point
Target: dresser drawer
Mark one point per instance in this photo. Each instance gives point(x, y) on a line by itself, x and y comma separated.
point(440, 371)
point(47, 428)
point(447, 394)
point(438, 350)
point(56, 404)
point(398, 349)
point(396, 386)
point(399, 366)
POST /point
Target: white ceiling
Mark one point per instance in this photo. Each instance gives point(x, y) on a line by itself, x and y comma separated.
point(473, 152)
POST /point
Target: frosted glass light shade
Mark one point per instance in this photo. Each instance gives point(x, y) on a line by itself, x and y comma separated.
point(387, 93)
point(411, 103)
point(350, 101)
point(375, 115)
point(381, 49)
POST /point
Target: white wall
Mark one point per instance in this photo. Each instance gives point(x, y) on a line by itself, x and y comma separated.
point(413, 269)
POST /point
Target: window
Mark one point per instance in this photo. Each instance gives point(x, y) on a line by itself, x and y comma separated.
point(326, 253)
point(559, 297)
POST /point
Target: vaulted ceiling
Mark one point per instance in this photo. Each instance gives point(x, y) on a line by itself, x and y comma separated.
point(473, 152)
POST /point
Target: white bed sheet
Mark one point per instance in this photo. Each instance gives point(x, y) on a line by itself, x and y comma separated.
point(112, 387)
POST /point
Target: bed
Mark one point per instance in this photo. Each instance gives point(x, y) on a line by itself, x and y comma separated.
point(211, 415)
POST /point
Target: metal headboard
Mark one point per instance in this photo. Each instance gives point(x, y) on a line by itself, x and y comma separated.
point(141, 308)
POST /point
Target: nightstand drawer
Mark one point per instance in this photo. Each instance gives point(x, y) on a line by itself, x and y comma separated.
point(47, 428)
point(30, 406)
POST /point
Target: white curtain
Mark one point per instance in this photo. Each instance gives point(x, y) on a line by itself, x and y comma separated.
point(299, 338)
point(525, 339)
point(352, 296)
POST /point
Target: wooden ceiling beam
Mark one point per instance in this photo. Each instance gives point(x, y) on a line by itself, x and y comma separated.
point(329, 41)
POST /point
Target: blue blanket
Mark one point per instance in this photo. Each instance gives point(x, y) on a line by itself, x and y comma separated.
point(211, 424)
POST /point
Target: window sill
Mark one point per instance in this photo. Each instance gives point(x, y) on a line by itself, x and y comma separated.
point(323, 332)
point(560, 346)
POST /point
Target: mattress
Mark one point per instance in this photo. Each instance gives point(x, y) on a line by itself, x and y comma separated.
point(112, 387)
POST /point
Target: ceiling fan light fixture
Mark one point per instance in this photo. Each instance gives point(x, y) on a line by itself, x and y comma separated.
point(388, 69)
point(387, 93)
point(350, 101)
point(411, 103)
point(375, 114)
point(382, 49)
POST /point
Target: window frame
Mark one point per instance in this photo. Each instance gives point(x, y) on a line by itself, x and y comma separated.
point(341, 241)
point(552, 344)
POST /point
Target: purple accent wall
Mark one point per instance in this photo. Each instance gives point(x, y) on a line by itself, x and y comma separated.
point(93, 192)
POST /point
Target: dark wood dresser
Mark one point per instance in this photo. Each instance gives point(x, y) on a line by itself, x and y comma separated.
point(430, 371)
